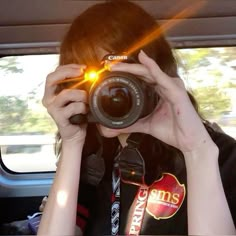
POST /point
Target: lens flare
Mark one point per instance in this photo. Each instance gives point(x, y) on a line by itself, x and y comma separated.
point(188, 11)
point(91, 75)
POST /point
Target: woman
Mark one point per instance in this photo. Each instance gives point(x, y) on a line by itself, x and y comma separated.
point(179, 151)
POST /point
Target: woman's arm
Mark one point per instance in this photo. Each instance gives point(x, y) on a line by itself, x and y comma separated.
point(59, 216)
point(208, 210)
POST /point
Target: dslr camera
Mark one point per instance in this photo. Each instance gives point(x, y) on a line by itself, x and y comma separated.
point(116, 99)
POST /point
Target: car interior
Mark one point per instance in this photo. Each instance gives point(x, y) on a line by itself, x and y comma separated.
point(202, 34)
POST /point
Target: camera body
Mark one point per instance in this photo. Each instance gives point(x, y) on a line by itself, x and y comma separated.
point(117, 100)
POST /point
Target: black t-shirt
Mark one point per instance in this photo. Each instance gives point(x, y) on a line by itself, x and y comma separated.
point(166, 209)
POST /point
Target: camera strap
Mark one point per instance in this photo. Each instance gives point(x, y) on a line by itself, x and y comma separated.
point(93, 166)
point(115, 200)
point(129, 167)
point(131, 162)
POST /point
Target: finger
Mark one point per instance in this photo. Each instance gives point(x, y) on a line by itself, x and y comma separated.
point(62, 115)
point(136, 69)
point(75, 66)
point(70, 95)
point(158, 75)
point(74, 108)
point(172, 88)
point(50, 85)
point(64, 72)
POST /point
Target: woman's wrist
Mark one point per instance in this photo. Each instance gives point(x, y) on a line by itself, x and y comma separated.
point(208, 152)
point(71, 151)
point(73, 142)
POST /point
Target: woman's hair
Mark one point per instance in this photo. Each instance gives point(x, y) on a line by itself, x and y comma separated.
point(115, 27)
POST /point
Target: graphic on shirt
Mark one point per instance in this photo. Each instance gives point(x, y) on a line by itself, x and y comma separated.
point(137, 212)
point(166, 196)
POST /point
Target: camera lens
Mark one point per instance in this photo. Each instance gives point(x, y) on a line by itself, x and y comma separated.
point(116, 101)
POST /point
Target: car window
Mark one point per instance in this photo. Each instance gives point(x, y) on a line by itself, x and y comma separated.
point(209, 74)
point(27, 132)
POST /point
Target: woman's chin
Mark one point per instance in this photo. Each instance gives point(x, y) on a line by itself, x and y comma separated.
point(107, 132)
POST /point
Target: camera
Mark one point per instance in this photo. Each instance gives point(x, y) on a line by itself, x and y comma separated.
point(116, 99)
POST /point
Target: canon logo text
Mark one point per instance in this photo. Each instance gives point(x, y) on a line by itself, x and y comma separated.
point(117, 57)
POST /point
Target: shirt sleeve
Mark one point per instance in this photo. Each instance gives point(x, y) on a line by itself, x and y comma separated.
point(227, 165)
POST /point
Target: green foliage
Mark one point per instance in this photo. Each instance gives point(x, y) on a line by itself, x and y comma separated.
point(195, 58)
point(199, 57)
point(12, 112)
point(17, 117)
point(212, 62)
point(10, 65)
point(212, 101)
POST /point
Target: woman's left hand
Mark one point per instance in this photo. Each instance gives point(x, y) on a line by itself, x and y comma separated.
point(174, 120)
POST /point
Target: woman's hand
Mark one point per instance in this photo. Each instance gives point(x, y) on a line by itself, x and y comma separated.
point(67, 103)
point(174, 120)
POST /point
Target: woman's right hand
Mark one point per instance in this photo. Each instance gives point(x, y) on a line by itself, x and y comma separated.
point(67, 103)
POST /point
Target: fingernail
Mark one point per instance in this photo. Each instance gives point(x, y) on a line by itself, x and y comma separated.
point(143, 53)
point(82, 69)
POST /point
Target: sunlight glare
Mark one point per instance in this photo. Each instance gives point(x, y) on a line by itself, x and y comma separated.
point(62, 197)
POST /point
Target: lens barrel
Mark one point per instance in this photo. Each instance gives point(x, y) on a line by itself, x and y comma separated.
point(117, 99)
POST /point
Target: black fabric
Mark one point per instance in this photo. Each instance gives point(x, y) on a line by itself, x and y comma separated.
point(227, 164)
point(100, 198)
